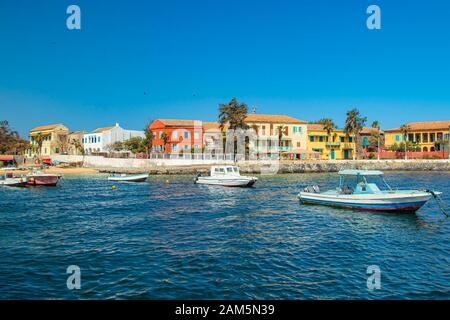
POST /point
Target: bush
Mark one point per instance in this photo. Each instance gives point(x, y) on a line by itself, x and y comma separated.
point(1, 164)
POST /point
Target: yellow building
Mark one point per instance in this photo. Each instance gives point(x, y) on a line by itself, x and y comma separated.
point(52, 138)
point(428, 135)
point(336, 146)
point(267, 126)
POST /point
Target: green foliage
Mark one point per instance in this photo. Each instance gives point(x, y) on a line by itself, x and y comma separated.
point(10, 141)
point(136, 145)
point(233, 113)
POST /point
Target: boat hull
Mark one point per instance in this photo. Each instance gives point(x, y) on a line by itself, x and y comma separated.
point(392, 203)
point(135, 178)
point(237, 182)
point(14, 182)
point(44, 180)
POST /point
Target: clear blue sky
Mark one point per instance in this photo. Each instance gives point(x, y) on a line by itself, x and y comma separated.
point(307, 59)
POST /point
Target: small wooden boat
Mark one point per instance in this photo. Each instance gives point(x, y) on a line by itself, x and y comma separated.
point(227, 176)
point(363, 194)
point(7, 179)
point(129, 177)
point(38, 178)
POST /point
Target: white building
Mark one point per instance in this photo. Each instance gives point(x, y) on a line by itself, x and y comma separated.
point(99, 139)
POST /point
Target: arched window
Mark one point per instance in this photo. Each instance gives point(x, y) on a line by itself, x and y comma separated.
point(432, 149)
point(425, 149)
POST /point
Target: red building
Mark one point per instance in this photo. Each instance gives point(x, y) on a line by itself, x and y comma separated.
point(176, 136)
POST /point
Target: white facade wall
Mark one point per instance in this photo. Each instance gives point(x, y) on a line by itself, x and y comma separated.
point(99, 141)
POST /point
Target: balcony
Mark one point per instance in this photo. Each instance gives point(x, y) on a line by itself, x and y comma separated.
point(333, 144)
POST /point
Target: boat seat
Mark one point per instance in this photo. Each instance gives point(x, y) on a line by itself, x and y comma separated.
point(347, 190)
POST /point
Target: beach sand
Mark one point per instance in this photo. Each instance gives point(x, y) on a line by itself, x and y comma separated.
point(61, 171)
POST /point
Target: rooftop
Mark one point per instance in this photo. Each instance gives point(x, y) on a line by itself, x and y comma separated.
point(269, 118)
point(425, 125)
point(103, 129)
point(47, 127)
point(179, 123)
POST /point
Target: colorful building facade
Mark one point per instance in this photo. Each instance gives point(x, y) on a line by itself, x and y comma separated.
point(99, 140)
point(177, 136)
point(267, 128)
point(51, 138)
point(336, 146)
point(428, 135)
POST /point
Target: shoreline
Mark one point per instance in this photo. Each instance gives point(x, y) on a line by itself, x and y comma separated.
point(248, 167)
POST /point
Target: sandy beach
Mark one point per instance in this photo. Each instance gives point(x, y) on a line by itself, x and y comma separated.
point(57, 170)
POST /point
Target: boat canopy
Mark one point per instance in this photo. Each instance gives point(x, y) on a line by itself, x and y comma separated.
point(360, 173)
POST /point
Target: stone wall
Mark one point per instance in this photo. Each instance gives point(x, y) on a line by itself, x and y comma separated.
point(180, 166)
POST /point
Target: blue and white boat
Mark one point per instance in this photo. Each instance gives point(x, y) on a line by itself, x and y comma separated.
point(356, 191)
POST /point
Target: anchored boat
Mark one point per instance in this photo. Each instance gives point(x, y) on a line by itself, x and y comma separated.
point(38, 178)
point(129, 177)
point(227, 176)
point(7, 179)
point(357, 192)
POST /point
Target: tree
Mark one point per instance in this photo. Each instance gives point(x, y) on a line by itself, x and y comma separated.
point(376, 124)
point(281, 130)
point(165, 139)
point(135, 145)
point(116, 146)
point(38, 139)
point(10, 141)
point(147, 142)
point(328, 126)
point(405, 130)
point(353, 126)
point(78, 146)
point(233, 113)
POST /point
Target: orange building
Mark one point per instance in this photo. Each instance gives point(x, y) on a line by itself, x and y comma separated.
point(177, 136)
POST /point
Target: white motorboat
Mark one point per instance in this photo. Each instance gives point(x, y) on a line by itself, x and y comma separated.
point(366, 195)
point(7, 179)
point(129, 177)
point(227, 176)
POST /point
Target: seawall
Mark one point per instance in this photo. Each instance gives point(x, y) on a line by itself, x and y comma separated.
point(184, 166)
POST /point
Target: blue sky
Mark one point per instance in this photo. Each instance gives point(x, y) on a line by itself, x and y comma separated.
point(139, 60)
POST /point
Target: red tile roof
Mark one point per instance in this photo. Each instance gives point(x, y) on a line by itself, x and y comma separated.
point(269, 118)
point(425, 125)
point(46, 128)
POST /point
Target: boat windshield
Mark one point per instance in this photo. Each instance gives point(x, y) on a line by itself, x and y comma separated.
point(349, 184)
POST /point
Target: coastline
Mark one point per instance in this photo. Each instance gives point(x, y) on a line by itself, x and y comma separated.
point(176, 167)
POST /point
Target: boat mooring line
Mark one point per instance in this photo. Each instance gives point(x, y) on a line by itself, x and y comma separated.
point(440, 202)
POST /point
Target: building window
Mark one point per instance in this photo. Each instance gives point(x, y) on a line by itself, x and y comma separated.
point(160, 134)
point(425, 137)
point(410, 137)
point(298, 144)
point(397, 137)
point(350, 139)
point(311, 138)
point(294, 130)
point(439, 136)
point(186, 135)
point(417, 137)
point(98, 139)
point(196, 135)
point(186, 147)
point(432, 137)
point(263, 130)
point(174, 135)
point(300, 129)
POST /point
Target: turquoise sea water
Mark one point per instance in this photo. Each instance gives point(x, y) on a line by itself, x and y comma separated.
point(177, 240)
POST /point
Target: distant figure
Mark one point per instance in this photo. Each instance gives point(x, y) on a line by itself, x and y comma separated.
point(254, 109)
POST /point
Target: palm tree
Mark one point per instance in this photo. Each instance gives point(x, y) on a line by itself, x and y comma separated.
point(281, 130)
point(328, 126)
point(165, 139)
point(376, 124)
point(353, 126)
point(39, 139)
point(405, 130)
